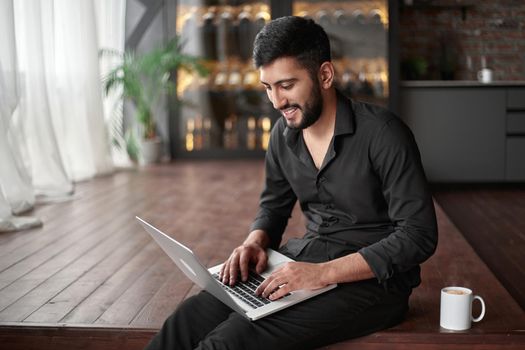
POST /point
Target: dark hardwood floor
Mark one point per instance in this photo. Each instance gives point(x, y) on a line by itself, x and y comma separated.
point(492, 219)
point(91, 278)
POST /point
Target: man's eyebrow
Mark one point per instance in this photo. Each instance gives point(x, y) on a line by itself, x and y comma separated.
point(289, 80)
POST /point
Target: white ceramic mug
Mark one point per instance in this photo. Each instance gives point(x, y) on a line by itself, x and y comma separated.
point(456, 308)
point(485, 75)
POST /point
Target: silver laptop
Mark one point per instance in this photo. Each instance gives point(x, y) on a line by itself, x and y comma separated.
point(239, 298)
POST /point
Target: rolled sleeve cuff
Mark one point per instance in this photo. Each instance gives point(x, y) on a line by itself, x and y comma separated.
point(379, 266)
point(273, 227)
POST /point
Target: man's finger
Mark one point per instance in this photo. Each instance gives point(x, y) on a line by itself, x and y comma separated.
point(234, 270)
point(262, 261)
point(225, 272)
point(244, 263)
point(280, 292)
point(274, 284)
point(263, 285)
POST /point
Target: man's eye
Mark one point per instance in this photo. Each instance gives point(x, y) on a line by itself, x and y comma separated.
point(287, 87)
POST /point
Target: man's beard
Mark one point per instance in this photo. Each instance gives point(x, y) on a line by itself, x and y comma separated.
point(311, 110)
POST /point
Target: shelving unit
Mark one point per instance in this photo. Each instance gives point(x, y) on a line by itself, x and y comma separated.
point(228, 114)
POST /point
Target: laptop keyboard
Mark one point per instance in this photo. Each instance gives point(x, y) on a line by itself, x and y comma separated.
point(246, 290)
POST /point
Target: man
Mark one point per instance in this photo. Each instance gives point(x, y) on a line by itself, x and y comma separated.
point(356, 172)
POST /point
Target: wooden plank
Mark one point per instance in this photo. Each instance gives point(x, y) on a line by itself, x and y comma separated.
point(129, 304)
point(51, 286)
point(70, 249)
point(105, 295)
point(90, 193)
point(51, 267)
point(61, 304)
point(37, 256)
point(164, 302)
point(36, 337)
point(79, 242)
point(492, 219)
point(73, 221)
point(88, 189)
point(68, 337)
point(434, 341)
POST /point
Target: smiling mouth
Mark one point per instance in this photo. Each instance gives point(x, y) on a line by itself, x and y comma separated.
point(288, 112)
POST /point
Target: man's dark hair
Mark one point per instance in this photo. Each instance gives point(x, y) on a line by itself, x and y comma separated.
point(291, 36)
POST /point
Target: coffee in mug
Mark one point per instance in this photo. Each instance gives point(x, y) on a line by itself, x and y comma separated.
point(455, 291)
point(456, 308)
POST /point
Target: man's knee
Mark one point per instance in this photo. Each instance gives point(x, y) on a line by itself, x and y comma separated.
point(236, 332)
point(191, 322)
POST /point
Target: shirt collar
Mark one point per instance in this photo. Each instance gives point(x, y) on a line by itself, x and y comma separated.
point(344, 117)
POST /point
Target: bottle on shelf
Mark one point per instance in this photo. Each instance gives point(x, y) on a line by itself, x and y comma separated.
point(251, 137)
point(206, 136)
point(245, 24)
point(341, 17)
point(227, 35)
point(358, 17)
point(348, 82)
point(209, 34)
point(364, 87)
point(198, 133)
point(230, 132)
point(266, 126)
point(189, 141)
point(378, 83)
point(375, 17)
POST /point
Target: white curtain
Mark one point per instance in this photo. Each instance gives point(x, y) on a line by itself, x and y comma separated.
point(111, 32)
point(52, 126)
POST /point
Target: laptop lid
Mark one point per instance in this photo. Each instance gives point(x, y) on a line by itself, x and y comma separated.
point(189, 264)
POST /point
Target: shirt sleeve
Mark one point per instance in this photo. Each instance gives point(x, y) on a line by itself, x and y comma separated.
point(396, 160)
point(277, 198)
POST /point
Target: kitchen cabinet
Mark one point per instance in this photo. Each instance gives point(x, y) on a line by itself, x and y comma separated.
point(515, 110)
point(467, 132)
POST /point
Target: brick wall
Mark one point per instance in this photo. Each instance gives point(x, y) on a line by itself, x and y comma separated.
point(441, 38)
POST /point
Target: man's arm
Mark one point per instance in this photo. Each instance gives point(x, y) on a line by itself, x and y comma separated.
point(277, 198)
point(397, 163)
point(276, 204)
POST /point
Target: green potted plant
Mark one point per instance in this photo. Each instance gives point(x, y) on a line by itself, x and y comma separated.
point(144, 79)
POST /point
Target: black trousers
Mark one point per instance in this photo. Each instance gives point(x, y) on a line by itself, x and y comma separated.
point(348, 311)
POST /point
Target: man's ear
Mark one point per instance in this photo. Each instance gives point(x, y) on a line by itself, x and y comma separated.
point(326, 75)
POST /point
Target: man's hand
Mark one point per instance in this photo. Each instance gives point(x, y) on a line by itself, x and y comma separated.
point(292, 276)
point(240, 259)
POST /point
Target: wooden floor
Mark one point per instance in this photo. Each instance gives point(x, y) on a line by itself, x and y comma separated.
point(92, 263)
point(92, 274)
point(492, 219)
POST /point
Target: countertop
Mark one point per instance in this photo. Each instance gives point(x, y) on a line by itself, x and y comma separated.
point(460, 83)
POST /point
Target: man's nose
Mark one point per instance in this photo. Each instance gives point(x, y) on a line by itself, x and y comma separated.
point(278, 100)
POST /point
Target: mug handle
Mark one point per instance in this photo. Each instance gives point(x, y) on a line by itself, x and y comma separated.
point(482, 314)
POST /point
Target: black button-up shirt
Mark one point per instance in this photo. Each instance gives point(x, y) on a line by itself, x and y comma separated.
point(369, 196)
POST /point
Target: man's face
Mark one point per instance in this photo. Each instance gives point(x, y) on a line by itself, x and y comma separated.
point(292, 91)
